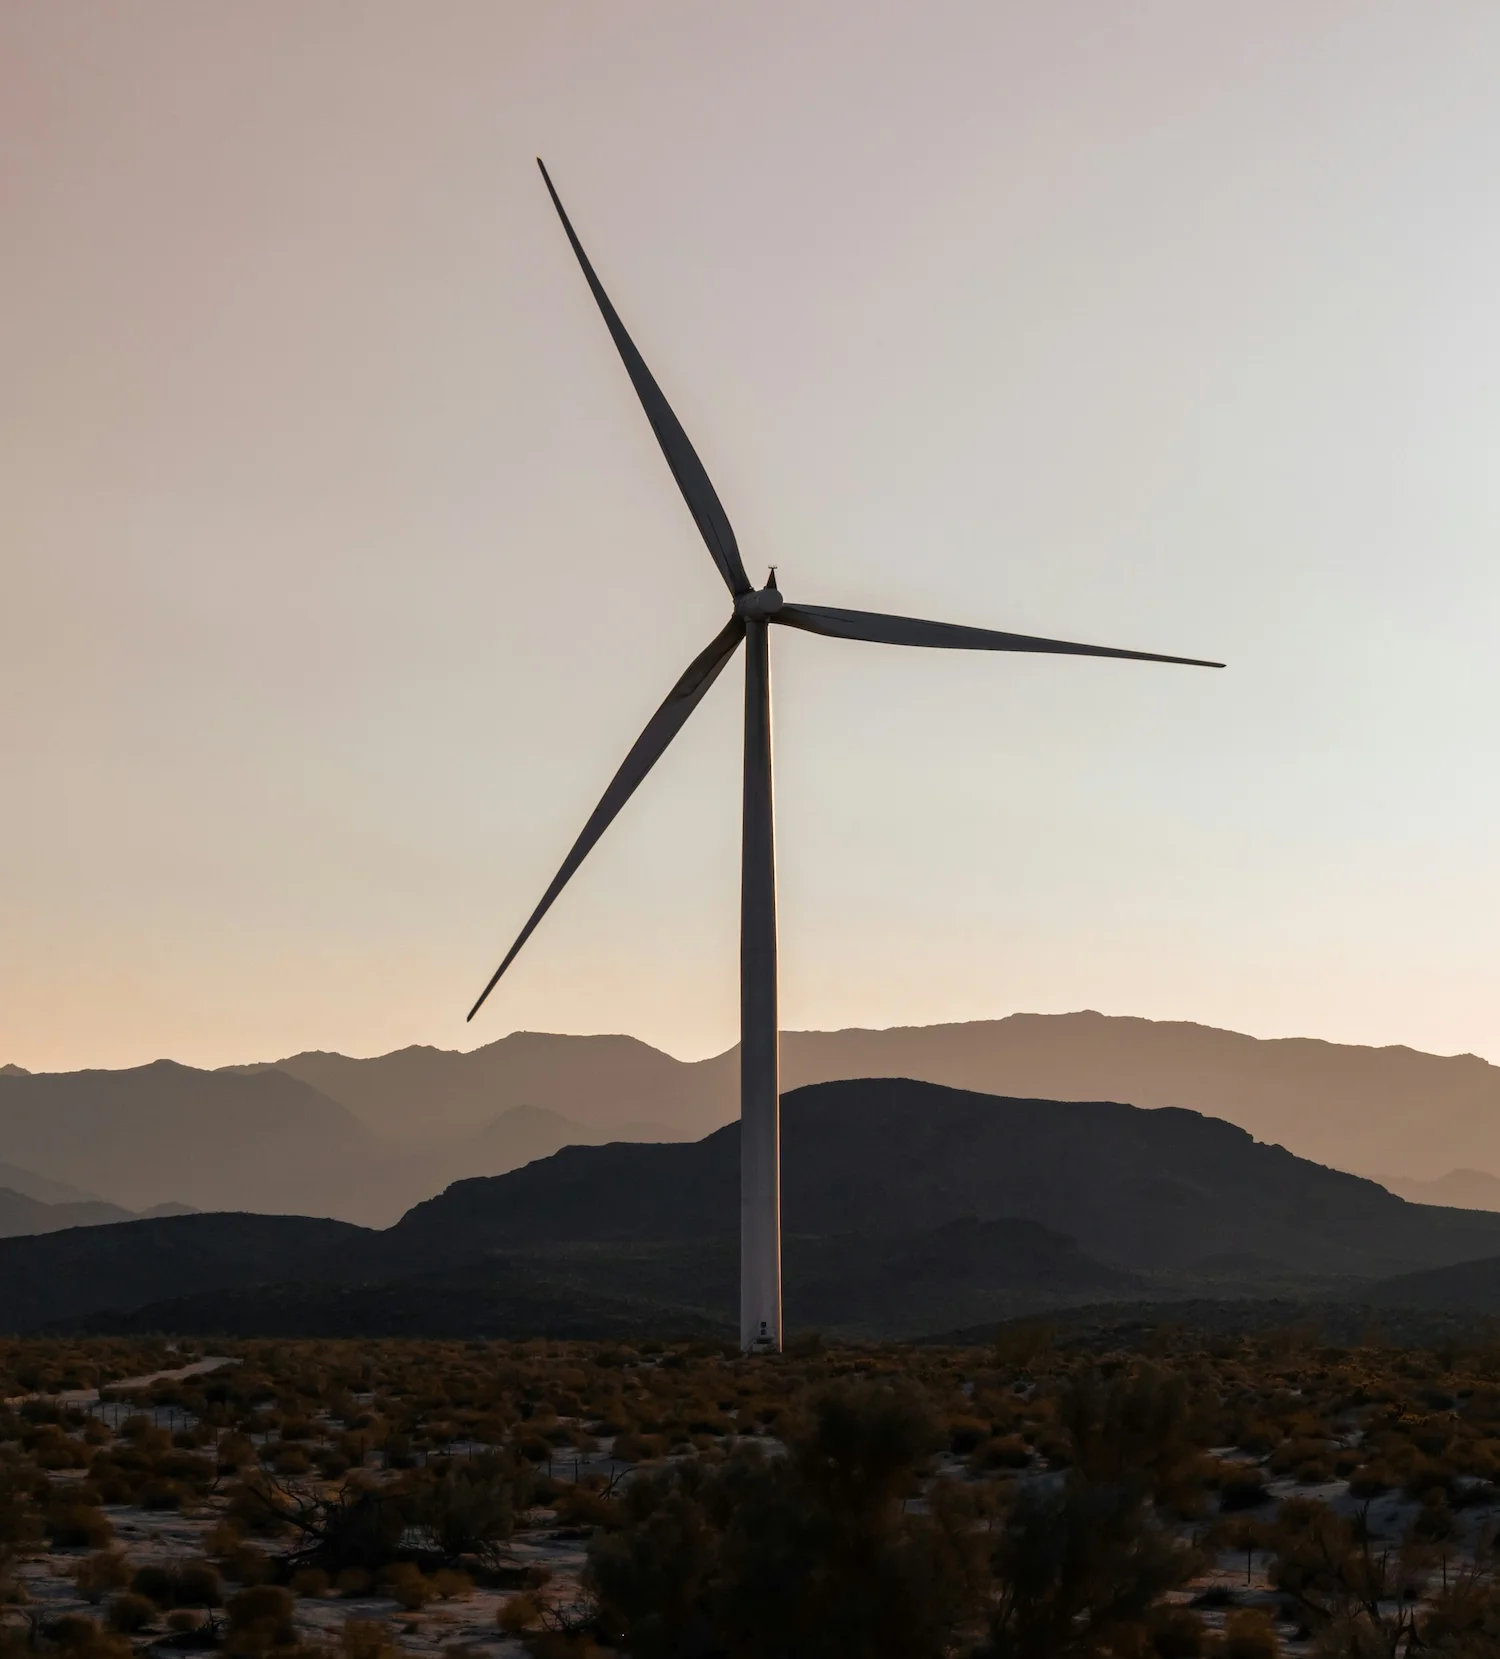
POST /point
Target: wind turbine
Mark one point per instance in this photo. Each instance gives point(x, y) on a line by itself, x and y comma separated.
point(755, 611)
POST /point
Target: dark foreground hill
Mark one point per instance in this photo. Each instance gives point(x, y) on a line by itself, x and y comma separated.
point(892, 1284)
point(1164, 1190)
point(908, 1207)
point(1464, 1287)
point(52, 1276)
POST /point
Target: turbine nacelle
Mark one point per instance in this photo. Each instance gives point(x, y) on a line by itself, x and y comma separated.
point(759, 605)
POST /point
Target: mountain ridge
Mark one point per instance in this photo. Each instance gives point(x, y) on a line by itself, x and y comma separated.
point(907, 1207)
point(1346, 1105)
point(493, 1108)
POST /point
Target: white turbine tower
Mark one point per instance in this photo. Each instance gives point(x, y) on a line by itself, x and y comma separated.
point(755, 610)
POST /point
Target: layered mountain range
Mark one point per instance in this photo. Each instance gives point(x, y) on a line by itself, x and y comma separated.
point(364, 1139)
point(908, 1208)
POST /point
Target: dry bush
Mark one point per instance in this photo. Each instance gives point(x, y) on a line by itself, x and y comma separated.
point(131, 1613)
point(366, 1639)
point(73, 1525)
point(197, 1585)
point(102, 1574)
point(518, 1613)
point(1250, 1634)
point(260, 1617)
point(408, 1586)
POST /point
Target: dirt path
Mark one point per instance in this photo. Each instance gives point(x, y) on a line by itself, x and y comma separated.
point(90, 1396)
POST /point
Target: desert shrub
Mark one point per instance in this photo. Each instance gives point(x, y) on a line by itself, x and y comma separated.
point(450, 1584)
point(581, 1506)
point(519, 1613)
point(71, 1631)
point(78, 1526)
point(155, 1582)
point(1176, 1633)
point(309, 1581)
point(161, 1493)
point(1006, 1451)
point(1243, 1492)
point(1250, 1634)
point(290, 1460)
point(408, 1586)
point(354, 1581)
point(1425, 1478)
point(260, 1616)
point(1147, 1426)
point(80, 1638)
point(131, 1613)
point(102, 1574)
point(248, 1565)
point(469, 1509)
point(197, 1585)
point(20, 1520)
point(629, 1448)
point(1371, 1481)
point(355, 1525)
point(773, 1555)
point(59, 1452)
point(187, 1467)
point(222, 1540)
point(1080, 1567)
point(1355, 1600)
point(564, 1644)
point(366, 1639)
point(234, 1452)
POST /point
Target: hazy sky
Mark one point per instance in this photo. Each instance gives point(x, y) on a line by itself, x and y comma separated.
point(340, 567)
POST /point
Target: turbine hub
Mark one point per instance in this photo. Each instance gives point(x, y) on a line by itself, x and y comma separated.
point(758, 605)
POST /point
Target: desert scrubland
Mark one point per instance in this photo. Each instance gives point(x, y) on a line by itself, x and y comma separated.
point(1158, 1490)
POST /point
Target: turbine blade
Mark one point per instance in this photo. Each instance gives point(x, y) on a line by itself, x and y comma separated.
point(682, 458)
point(649, 747)
point(951, 636)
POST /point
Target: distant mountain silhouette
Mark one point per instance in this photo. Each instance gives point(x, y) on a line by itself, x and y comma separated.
point(908, 1207)
point(168, 1133)
point(605, 1082)
point(1461, 1189)
point(41, 1187)
point(22, 1215)
point(1348, 1106)
point(525, 1133)
point(363, 1139)
point(255, 1139)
